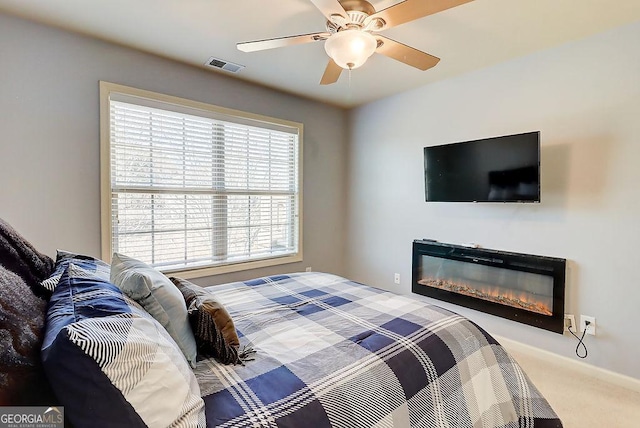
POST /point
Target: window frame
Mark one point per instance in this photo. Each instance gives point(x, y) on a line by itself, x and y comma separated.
point(107, 90)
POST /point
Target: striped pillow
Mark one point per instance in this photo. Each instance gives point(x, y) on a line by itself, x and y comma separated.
point(212, 325)
point(110, 363)
point(88, 263)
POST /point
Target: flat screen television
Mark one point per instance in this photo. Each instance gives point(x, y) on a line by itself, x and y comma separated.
point(499, 169)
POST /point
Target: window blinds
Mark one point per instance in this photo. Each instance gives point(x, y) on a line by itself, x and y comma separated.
point(190, 191)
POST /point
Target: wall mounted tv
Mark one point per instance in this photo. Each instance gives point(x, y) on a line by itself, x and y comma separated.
point(499, 169)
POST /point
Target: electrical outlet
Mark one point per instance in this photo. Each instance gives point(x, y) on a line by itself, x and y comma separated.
point(591, 328)
point(307, 269)
point(396, 278)
point(570, 323)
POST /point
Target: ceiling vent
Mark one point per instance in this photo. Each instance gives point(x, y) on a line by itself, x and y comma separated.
point(221, 64)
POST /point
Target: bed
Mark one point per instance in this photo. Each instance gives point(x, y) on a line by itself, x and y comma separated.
point(319, 351)
point(332, 352)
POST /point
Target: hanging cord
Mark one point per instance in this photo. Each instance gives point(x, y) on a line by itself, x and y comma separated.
point(581, 341)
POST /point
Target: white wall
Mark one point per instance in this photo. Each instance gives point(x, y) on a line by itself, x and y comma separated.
point(49, 138)
point(584, 97)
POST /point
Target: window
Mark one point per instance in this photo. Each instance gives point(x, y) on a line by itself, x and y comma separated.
point(188, 185)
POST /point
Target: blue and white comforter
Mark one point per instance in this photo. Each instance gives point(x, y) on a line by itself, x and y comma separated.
point(334, 353)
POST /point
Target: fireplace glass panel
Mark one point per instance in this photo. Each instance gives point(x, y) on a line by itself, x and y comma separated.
point(523, 290)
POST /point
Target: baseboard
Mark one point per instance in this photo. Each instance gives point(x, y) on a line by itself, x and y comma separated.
point(578, 366)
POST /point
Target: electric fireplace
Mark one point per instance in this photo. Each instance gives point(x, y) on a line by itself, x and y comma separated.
point(520, 287)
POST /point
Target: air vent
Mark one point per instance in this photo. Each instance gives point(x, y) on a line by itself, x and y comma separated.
point(221, 64)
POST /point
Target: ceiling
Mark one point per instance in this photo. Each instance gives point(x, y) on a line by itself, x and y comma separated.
point(466, 38)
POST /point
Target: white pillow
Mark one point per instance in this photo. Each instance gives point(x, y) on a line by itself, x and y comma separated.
point(157, 294)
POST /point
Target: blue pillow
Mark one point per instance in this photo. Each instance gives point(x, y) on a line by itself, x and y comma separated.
point(110, 363)
point(88, 263)
point(158, 296)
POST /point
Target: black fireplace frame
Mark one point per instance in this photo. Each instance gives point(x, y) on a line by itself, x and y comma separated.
point(542, 265)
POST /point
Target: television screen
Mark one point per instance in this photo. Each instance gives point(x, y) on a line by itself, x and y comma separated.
point(500, 169)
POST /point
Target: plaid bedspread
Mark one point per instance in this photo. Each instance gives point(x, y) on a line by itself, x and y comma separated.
point(334, 353)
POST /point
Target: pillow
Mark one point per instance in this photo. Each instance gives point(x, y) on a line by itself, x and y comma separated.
point(22, 314)
point(88, 263)
point(212, 325)
point(112, 364)
point(158, 296)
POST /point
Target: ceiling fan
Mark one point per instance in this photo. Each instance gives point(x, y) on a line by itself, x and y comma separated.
point(352, 34)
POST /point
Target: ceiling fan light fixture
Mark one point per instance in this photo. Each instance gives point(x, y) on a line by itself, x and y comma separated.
point(350, 48)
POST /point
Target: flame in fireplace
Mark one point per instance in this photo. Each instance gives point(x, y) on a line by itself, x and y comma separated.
point(515, 298)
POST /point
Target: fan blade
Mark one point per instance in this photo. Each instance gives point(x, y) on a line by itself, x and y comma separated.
point(331, 73)
point(406, 54)
point(410, 10)
point(259, 45)
point(330, 7)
